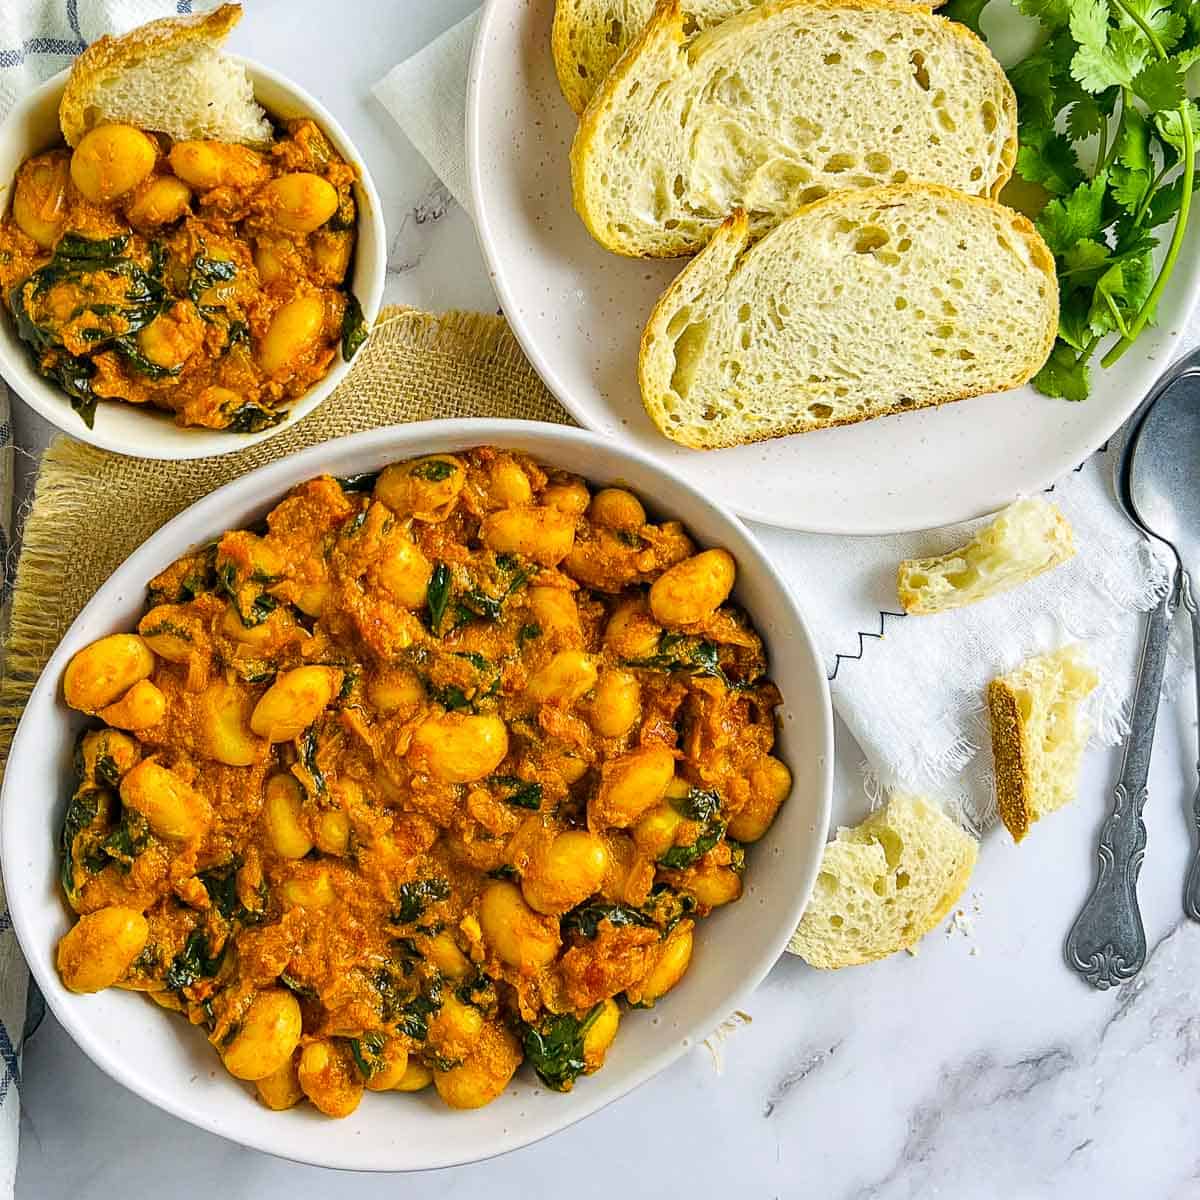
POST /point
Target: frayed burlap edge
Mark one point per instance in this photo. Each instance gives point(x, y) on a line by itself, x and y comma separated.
point(91, 508)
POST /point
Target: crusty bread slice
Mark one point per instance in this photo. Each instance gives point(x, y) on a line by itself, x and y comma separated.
point(779, 106)
point(1027, 538)
point(863, 304)
point(1038, 734)
point(590, 35)
point(884, 884)
point(168, 76)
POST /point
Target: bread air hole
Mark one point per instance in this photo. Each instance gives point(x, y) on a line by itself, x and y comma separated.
point(837, 163)
point(689, 346)
point(879, 163)
point(976, 174)
point(812, 194)
point(821, 412)
point(988, 112)
point(920, 74)
point(877, 58)
point(870, 238)
point(946, 121)
point(614, 32)
point(836, 922)
point(831, 60)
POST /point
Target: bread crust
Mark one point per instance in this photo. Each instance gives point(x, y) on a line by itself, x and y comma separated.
point(109, 56)
point(566, 67)
point(1009, 758)
point(667, 25)
point(737, 227)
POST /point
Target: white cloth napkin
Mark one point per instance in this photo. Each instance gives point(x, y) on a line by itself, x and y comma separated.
point(910, 689)
point(38, 38)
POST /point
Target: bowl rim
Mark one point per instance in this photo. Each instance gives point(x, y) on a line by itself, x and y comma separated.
point(51, 403)
point(266, 483)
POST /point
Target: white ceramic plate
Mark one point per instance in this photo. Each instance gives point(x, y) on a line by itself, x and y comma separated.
point(579, 311)
point(160, 1058)
point(141, 430)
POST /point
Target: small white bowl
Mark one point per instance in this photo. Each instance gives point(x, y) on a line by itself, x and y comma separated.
point(156, 1055)
point(141, 430)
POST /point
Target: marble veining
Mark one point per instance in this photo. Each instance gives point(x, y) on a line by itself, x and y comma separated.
point(409, 243)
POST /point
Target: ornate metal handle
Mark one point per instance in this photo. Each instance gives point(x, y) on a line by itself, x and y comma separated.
point(1107, 944)
point(1191, 890)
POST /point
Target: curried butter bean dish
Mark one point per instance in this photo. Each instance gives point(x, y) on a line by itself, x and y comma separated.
point(202, 277)
point(416, 765)
point(419, 778)
point(169, 247)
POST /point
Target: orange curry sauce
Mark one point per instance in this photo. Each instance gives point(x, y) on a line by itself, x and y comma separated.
point(418, 779)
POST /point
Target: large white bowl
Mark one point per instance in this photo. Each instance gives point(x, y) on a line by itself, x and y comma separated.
point(141, 430)
point(157, 1056)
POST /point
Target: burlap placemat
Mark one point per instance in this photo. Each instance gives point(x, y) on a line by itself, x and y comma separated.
point(91, 509)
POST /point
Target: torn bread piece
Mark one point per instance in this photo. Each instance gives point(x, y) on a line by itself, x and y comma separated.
point(1026, 539)
point(168, 76)
point(884, 884)
point(1039, 733)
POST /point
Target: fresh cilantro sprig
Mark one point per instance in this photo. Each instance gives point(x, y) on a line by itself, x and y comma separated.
point(1111, 73)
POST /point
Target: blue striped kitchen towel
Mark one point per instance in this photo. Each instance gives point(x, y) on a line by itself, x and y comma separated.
point(38, 38)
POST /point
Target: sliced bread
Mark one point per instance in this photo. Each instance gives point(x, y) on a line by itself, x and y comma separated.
point(884, 884)
point(168, 76)
point(779, 106)
point(863, 304)
point(1038, 734)
point(1027, 538)
point(590, 35)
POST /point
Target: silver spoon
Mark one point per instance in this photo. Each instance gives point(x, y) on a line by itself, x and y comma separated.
point(1164, 494)
point(1107, 944)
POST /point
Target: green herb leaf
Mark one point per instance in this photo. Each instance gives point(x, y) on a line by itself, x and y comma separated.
point(555, 1048)
point(1053, 14)
point(1065, 374)
point(433, 470)
point(415, 898)
point(1159, 84)
point(520, 792)
point(584, 919)
point(1079, 215)
point(192, 963)
point(437, 594)
point(354, 327)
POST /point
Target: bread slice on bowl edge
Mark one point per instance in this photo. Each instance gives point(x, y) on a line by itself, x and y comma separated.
point(590, 35)
point(884, 884)
point(1026, 539)
point(1039, 733)
point(865, 303)
point(779, 106)
point(168, 76)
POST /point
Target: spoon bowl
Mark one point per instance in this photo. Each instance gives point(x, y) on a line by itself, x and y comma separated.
point(1162, 475)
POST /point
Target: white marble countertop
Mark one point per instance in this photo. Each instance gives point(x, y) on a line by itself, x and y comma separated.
point(979, 1068)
